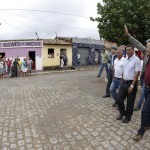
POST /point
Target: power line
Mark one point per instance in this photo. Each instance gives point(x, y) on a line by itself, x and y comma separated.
point(54, 12)
point(12, 25)
point(49, 22)
point(23, 22)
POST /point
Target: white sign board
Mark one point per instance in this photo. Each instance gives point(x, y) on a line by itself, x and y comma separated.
point(17, 44)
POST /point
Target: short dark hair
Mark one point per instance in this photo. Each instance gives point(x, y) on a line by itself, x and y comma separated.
point(148, 41)
point(129, 45)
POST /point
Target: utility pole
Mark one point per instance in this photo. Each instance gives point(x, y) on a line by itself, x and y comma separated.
point(37, 35)
point(56, 36)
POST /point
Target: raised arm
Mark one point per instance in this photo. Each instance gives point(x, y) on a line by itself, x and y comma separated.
point(134, 42)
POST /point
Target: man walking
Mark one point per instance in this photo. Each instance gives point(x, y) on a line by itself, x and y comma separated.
point(117, 75)
point(128, 88)
point(104, 63)
point(145, 74)
point(113, 56)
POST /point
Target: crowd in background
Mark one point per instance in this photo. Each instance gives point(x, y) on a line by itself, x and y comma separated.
point(14, 67)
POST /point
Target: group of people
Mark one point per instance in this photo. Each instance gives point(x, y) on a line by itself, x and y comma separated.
point(15, 67)
point(122, 75)
point(63, 60)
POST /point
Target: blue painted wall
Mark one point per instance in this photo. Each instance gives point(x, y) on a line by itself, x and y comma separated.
point(91, 58)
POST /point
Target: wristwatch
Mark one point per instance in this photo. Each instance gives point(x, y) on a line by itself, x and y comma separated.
point(132, 86)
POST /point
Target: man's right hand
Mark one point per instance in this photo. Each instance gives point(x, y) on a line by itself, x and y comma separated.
point(126, 30)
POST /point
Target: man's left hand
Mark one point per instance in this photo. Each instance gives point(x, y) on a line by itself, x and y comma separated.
point(130, 90)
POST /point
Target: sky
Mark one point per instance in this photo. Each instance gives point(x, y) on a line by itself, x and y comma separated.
point(22, 19)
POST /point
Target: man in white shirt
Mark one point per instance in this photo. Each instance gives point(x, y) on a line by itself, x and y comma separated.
point(128, 88)
point(117, 75)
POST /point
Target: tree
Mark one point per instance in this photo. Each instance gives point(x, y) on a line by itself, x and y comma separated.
point(115, 13)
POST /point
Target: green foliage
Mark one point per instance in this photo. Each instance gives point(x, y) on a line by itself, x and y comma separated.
point(113, 14)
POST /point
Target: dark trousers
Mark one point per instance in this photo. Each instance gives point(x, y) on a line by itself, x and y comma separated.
point(122, 95)
point(109, 82)
point(145, 115)
point(15, 71)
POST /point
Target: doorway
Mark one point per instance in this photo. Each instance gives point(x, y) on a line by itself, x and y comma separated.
point(62, 51)
point(2, 54)
point(63, 55)
point(32, 56)
point(97, 57)
point(83, 54)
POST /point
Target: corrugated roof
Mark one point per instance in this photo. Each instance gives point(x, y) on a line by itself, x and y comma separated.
point(55, 42)
point(87, 41)
point(45, 41)
point(67, 39)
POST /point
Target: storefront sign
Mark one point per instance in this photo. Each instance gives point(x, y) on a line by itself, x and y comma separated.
point(21, 44)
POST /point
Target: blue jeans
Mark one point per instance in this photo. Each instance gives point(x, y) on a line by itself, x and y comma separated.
point(114, 86)
point(103, 65)
point(145, 115)
point(141, 99)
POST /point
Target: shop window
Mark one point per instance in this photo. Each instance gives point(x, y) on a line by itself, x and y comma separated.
point(50, 53)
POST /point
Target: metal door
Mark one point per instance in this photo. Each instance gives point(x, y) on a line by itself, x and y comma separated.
point(96, 56)
point(84, 53)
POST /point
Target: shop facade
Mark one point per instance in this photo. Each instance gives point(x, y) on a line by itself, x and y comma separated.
point(23, 49)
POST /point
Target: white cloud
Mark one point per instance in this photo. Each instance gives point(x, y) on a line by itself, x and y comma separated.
point(17, 24)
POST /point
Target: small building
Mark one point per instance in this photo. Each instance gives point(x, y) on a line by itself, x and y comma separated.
point(86, 51)
point(22, 49)
point(53, 49)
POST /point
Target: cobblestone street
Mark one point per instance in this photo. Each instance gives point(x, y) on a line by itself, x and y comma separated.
point(63, 111)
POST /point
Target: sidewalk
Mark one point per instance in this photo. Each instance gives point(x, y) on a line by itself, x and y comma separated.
point(80, 68)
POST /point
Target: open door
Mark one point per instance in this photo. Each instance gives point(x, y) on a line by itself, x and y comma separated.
point(62, 53)
point(32, 56)
point(2, 54)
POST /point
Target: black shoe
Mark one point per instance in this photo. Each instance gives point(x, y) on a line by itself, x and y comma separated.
point(98, 76)
point(105, 96)
point(137, 108)
point(125, 120)
point(147, 127)
point(119, 117)
point(137, 137)
point(114, 104)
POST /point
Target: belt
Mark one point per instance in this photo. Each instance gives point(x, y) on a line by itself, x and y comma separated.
point(117, 78)
point(127, 81)
point(147, 86)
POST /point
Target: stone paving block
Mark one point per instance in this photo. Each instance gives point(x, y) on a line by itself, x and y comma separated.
point(63, 111)
point(13, 146)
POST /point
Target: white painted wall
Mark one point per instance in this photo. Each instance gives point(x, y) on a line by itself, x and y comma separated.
point(39, 63)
